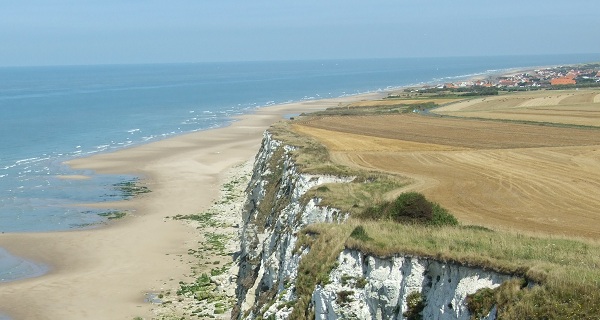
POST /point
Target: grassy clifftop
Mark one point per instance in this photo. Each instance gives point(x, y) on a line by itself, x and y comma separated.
point(566, 271)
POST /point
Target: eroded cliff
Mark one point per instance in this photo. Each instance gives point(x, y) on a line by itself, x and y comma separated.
point(360, 286)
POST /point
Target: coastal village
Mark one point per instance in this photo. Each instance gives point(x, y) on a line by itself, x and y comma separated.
point(581, 76)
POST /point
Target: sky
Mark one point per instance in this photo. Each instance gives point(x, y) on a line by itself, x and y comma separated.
point(75, 32)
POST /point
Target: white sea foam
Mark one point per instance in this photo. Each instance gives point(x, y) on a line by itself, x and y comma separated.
point(28, 160)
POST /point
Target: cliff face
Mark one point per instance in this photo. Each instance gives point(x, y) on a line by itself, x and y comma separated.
point(361, 287)
point(375, 288)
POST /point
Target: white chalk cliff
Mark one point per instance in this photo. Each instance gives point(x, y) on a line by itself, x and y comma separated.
point(360, 286)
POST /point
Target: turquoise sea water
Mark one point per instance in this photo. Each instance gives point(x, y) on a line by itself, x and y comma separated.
point(53, 114)
point(13, 267)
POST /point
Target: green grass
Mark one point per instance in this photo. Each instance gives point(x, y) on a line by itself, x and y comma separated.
point(314, 268)
point(311, 156)
point(201, 289)
point(375, 110)
point(216, 241)
point(359, 233)
point(409, 207)
point(415, 305)
point(566, 272)
point(366, 190)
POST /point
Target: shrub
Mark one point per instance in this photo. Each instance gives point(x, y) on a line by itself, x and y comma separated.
point(345, 296)
point(441, 217)
point(410, 207)
point(323, 189)
point(359, 233)
point(414, 305)
point(361, 283)
point(481, 302)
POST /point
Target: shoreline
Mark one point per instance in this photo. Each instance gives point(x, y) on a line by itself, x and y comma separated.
point(116, 265)
point(106, 272)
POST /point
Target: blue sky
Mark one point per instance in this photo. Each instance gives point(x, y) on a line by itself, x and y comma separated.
point(64, 32)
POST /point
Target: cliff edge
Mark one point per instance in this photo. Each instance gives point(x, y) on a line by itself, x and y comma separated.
point(360, 286)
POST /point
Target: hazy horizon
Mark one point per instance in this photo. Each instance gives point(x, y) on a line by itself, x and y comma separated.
point(67, 32)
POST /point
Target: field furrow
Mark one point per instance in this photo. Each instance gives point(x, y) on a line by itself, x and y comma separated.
point(552, 100)
point(503, 175)
point(578, 99)
point(576, 107)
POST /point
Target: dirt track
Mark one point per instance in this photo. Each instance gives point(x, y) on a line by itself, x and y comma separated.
point(498, 174)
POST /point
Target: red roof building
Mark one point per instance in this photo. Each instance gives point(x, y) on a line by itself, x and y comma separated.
point(562, 81)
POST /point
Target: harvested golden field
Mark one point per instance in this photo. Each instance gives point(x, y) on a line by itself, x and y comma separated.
point(502, 175)
point(578, 107)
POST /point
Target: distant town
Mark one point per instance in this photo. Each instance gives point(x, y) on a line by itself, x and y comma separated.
point(548, 78)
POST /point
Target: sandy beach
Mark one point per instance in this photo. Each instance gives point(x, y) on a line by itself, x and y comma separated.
point(104, 273)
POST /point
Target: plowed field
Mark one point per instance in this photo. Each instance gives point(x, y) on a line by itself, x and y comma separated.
point(503, 175)
point(581, 107)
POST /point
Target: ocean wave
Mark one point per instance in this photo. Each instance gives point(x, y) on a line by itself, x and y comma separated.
point(28, 160)
point(471, 75)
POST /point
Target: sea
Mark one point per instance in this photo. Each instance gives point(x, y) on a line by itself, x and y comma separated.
point(52, 114)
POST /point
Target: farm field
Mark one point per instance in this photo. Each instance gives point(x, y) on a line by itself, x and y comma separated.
point(502, 175)
point(578, 107)
point(407, 101)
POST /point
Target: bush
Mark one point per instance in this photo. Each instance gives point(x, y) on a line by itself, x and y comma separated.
point(410, 207)
point(481, 302)
point(359, 233)
point(344, 297)
point(415, 305)
point(441, 217)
